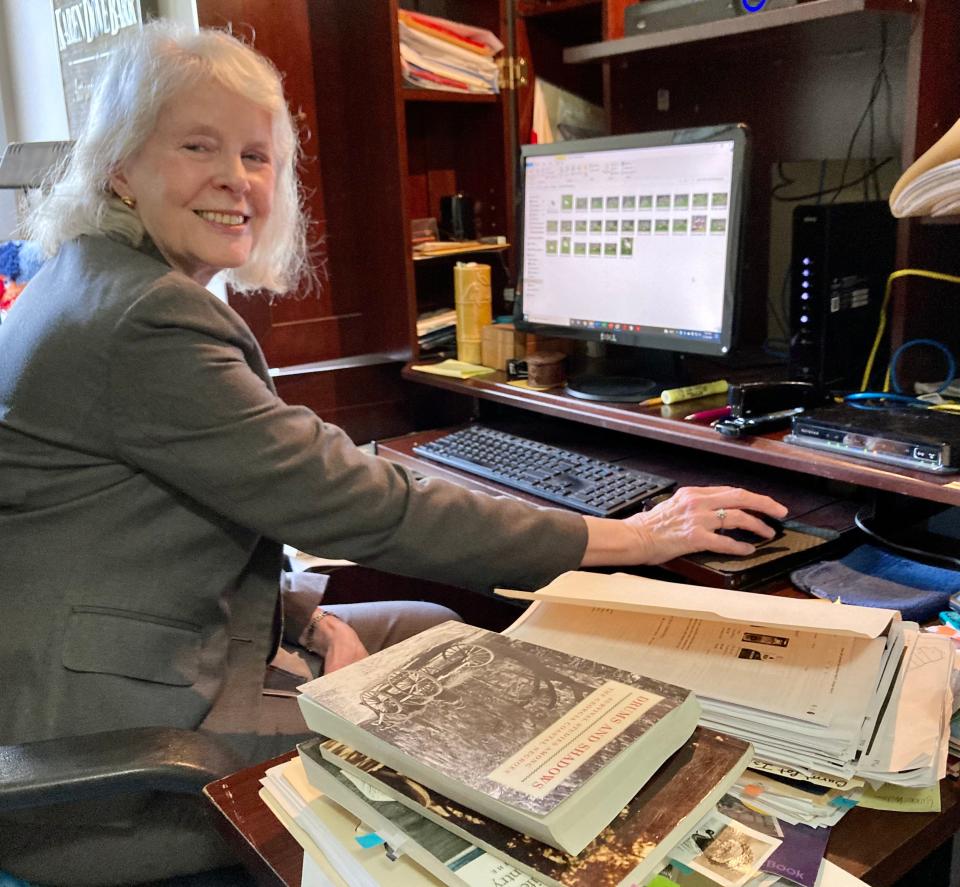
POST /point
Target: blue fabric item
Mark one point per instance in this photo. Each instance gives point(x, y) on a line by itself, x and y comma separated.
point(19, 261)
point(7, 880)
point(10, 259)
point(872, 577)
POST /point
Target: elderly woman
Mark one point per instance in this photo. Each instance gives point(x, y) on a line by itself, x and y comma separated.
point(149, 472)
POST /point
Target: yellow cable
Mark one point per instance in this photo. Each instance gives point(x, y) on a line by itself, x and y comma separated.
point(882, 325)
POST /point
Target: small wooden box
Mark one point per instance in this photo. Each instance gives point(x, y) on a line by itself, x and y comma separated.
point(500, 342)
point(536, 344)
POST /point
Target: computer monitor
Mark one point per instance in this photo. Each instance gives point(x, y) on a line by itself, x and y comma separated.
point(633, 240)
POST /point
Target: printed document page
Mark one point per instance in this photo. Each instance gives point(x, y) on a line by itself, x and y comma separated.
point(796, 674)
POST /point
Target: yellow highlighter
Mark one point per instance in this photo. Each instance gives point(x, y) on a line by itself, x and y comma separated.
point(692, 392)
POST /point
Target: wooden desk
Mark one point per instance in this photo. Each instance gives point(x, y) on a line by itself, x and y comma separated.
point(878, 847)
point(666, 424)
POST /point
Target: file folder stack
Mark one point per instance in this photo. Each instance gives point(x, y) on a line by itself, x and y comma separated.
point(436, 53)
point(823, 691)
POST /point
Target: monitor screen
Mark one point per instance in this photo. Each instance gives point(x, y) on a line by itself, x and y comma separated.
point(634, 239)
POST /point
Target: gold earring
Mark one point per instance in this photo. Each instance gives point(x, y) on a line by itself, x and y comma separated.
point(129, 202)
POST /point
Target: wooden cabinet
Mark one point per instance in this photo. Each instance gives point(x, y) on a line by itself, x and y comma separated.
point(376, 154)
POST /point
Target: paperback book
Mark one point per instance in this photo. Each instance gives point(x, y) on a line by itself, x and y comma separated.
point(405, 832)
point(551, 744)
point(630, 849)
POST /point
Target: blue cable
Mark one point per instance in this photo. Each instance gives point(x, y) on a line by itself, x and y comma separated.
point(878, 400)
point(951, 363)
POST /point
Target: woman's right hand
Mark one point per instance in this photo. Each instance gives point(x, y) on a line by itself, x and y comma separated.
point(685, 523)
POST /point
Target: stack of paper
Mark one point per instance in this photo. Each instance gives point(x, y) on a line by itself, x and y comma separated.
point(931, 186)
point(910, 745)
point(804, 681)
point(436, 53)
point(798, 802)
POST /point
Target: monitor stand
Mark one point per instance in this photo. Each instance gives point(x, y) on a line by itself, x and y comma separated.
point(619, 374)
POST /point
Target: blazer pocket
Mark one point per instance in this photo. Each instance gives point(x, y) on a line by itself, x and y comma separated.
point(105, 640)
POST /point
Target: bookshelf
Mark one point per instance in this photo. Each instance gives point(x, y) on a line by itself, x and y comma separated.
point(413, 94)
point(800, 15)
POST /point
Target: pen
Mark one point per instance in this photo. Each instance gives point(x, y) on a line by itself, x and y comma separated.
point(708, 415)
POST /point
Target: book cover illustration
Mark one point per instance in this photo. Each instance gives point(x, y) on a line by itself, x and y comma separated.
point(674, 797)
point(521, 723)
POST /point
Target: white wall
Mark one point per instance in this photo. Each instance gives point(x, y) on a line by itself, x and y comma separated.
point(32, 91)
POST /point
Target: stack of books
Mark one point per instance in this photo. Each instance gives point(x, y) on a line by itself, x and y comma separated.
point(437, 331)
point(436, 53)
point(472, 752)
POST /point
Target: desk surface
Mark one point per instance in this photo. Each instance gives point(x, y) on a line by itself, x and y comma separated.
point(879, 847)
point(666, 424)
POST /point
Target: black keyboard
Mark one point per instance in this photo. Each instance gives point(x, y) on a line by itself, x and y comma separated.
point(589, 485)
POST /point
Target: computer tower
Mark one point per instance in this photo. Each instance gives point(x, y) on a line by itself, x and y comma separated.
point(842, 255)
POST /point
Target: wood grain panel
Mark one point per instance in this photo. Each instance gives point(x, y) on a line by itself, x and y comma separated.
point(368, 402)
point(282, 325)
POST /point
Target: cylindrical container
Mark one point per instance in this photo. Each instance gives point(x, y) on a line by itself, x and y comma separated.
point(471, 293)
point(545, 369)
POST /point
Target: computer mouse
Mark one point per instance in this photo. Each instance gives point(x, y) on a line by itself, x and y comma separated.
point(742, 535)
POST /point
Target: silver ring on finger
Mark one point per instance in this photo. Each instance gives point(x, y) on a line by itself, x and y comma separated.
point(721, 514)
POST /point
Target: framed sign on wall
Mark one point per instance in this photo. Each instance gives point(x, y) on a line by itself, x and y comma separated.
point(88, 31)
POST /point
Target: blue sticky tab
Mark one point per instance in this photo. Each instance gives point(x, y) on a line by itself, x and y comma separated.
point(684, 869)
point(367, 841)
point(843, 802)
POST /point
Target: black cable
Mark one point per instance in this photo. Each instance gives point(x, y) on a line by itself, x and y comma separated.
point(874, 92)
point(836, 189)
point(930, 557)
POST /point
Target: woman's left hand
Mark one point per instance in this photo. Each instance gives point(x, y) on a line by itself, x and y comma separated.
point(685, 523)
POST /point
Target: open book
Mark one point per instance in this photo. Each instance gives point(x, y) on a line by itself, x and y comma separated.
point(931, 185)
point(552, 744)
point(807, 682)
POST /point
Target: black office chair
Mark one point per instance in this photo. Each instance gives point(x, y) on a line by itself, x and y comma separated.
point(111, 765)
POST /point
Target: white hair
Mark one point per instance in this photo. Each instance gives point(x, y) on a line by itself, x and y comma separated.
point(151, 68)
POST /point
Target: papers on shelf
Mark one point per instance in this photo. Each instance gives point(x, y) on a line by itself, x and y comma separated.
point(931, 185)
point(436, 53)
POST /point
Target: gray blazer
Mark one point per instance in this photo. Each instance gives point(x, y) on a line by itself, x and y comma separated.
point(149, 473)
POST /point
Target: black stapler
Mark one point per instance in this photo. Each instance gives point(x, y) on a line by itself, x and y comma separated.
point(759, 407)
